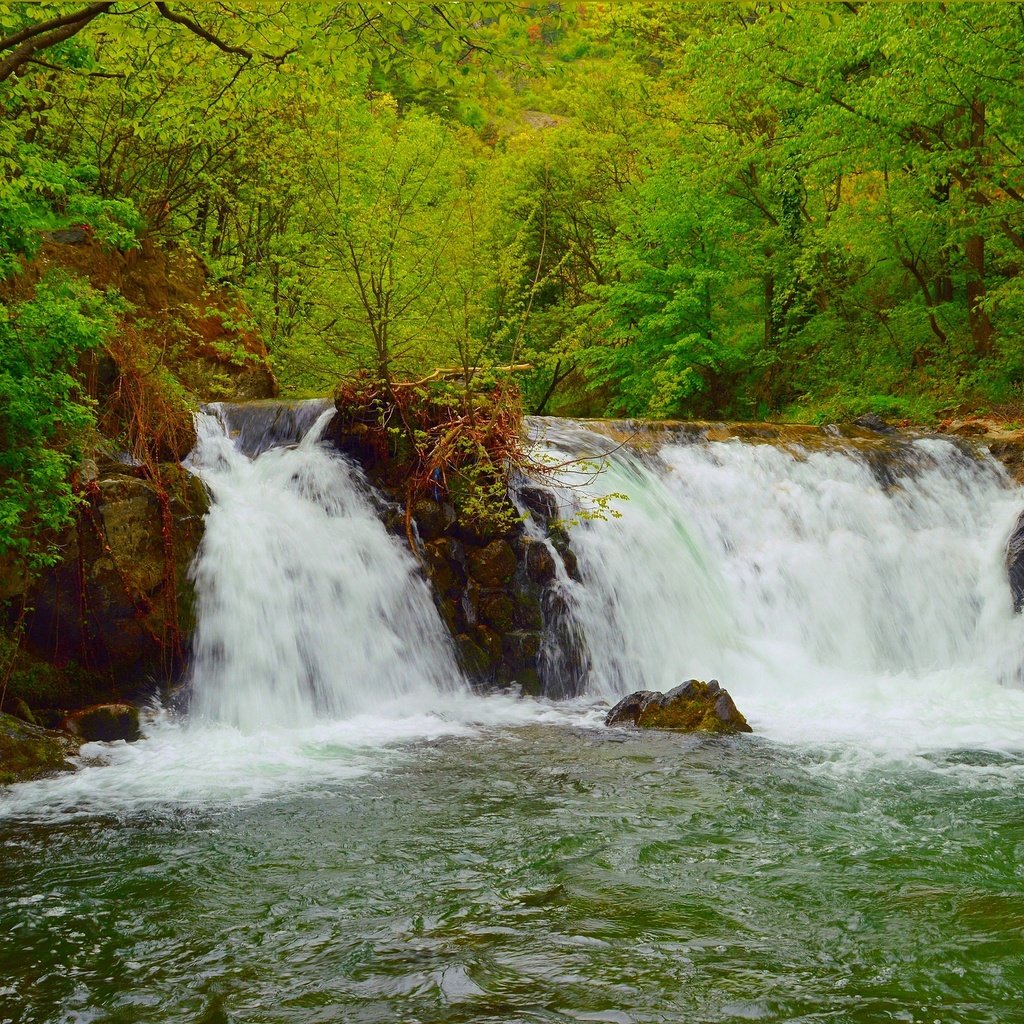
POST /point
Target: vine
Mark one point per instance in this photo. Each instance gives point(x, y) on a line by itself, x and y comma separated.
point(453, 444)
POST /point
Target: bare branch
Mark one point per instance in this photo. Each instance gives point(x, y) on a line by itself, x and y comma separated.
point(74, 71)
point(41, 39)
point(42, 27)
point(197, 29)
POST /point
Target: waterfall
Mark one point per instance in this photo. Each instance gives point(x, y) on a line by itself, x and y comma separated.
point(848, 590)
point(838, 589)
point(850, 594)
point(306, 607)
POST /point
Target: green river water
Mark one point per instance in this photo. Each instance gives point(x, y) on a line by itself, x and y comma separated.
point(535, 873)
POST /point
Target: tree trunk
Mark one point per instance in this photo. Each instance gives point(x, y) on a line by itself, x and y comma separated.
point(943, 283)
point(981, 325)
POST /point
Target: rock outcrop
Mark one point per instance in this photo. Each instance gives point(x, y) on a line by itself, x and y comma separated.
point(28, 751)
point(490, 594)
point(1015, 563)
point(104, 723)
point(110, 621)
point(494, 587)
point(694, 706)
point(114, 616)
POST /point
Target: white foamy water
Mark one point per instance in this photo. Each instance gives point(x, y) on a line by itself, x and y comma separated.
point(838, 604)
point(856, 607)
point(192, 765)
point(307, 608)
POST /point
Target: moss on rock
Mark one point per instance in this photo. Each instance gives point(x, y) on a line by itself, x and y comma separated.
point(498, 611)
point(27, 751)
point(121, 602)
point(492, 565)
point(695, 706)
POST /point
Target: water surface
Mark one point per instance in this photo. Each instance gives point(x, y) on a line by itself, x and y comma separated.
point(529, 872)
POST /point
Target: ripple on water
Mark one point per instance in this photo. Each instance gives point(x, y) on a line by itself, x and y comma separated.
point(535, 873)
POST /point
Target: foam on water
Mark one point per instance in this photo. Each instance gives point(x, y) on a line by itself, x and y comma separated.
point(843, 598)
point(189, 765)
point(856, 607)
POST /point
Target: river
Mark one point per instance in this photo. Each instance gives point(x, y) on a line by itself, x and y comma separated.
point(338, 830)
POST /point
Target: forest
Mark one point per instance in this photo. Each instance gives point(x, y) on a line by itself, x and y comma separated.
point(786, 211)
point(511, 512)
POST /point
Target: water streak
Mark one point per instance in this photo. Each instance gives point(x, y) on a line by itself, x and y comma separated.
point(306, 607)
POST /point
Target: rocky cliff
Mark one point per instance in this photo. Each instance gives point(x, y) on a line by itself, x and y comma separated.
point(112, 619)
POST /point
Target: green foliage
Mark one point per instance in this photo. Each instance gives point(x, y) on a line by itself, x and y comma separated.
point(43, 415)
point(666, 209)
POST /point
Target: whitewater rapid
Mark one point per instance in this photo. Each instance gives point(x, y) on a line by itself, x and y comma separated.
point(844, 595)
point(854, 602)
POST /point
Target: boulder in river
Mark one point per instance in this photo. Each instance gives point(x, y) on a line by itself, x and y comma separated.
point(694, 706)
point(104, 722)
point(1015, 563)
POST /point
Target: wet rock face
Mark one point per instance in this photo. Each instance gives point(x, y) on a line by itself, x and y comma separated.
point(494, 591)
point(492, 565)
point(1015, 563)
point(694, 706)
point(869, 421)
point(492, 605)
point(120, 603)
point(629, 709)
point(499, 598)
point(27, 751)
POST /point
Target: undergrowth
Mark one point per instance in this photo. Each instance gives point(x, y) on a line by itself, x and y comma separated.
point(449, 443)
point(463, 446)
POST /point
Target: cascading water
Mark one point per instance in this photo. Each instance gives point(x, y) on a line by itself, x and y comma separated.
point(306, 607)
point(298, 849)
point(842, 593)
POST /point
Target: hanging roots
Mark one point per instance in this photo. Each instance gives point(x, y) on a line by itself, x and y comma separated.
point(452, 444)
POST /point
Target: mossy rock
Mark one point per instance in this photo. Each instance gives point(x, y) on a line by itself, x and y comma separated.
point(529, 682)
point(476, 662)
point(540, 563)
point(529, 613)
point(498, 611)
point(105, 723)
point(695, 706)
point(448, 606)
point(134, 545)
point(560, 542)
point(443, 566)
point(490, 642)
point(19, 709)
point(520, 649)
point(492, 565)
point(432, 518)
point(541, 503)
point(27, 751)
point(121, 601)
